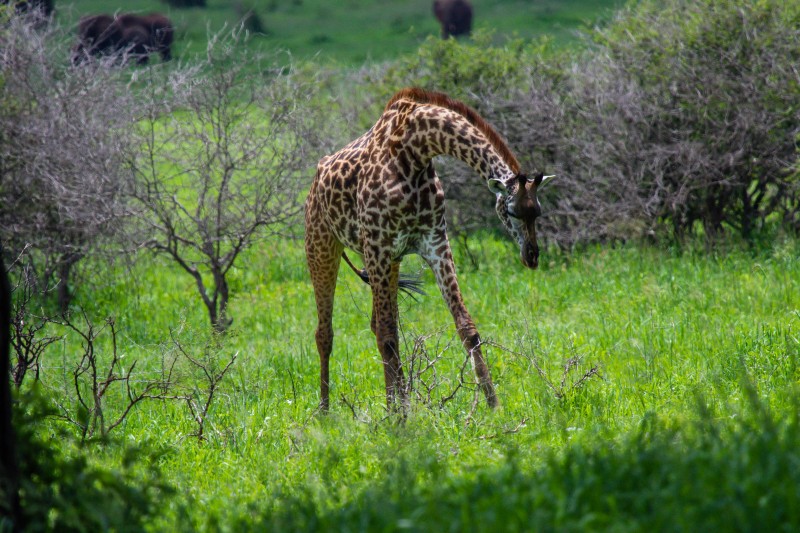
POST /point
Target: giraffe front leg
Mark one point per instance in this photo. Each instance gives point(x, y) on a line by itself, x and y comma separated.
point(443, 267)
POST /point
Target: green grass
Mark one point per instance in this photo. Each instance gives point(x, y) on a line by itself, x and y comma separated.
point(692, 350)
point(355, 31)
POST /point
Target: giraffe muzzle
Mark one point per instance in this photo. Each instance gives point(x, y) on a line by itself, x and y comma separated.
point(530, 255)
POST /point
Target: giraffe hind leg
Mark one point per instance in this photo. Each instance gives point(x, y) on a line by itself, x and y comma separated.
point(384, 281)
point(323, 253)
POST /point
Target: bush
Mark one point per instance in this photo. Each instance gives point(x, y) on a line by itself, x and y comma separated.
point(719, 98)
point(65, 491)
point(676, 119)
point(63, 135)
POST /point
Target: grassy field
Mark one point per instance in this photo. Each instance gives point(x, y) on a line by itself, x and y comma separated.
point(357, 30)
point(687, 347)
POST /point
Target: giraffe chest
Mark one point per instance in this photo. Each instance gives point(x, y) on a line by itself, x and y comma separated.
point(395, 215)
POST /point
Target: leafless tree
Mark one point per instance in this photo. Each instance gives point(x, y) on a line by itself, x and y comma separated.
point(226, 166)
point(424, 376)
point(199, 394)
point(63, 133)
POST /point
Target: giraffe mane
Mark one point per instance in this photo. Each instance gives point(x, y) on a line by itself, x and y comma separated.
point(423, 96)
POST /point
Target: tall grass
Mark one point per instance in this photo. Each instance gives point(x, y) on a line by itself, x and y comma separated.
point(710, 474)
point(640, 388)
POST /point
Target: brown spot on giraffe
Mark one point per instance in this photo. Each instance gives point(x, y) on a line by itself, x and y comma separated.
point(380, 197)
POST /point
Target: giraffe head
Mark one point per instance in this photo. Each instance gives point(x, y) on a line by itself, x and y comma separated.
point(518, 208)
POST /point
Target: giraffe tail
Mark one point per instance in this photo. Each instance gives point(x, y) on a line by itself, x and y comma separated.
point(409, 284)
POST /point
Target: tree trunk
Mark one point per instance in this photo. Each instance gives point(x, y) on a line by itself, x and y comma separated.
point(9, 473)
point(64, 269)
point(221, 288)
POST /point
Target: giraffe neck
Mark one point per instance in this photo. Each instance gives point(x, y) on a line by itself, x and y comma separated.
point(433, 131)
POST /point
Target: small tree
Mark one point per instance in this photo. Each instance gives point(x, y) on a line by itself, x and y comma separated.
point(228, 161)
point(28, 341)
point(95, 375)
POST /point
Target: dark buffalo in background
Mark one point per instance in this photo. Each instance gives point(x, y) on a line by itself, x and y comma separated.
point(45, 7)
point(138, 35)
point(455, 16)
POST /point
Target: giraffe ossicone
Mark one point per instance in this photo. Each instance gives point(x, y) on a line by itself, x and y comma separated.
point(380, 196)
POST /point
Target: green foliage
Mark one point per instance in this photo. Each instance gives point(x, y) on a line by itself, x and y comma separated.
point(63, 488)
point(466, 69)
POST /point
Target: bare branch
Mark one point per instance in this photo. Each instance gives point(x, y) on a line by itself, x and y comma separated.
point(507, 431)
point(199, 399)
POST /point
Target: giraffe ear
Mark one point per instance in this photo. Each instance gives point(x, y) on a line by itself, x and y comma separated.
point(498, 186)
point(546, 180)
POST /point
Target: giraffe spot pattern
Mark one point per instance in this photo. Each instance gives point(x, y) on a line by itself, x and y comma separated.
point(380, 196)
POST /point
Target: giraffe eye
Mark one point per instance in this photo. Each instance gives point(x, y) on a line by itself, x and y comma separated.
point(511, 212)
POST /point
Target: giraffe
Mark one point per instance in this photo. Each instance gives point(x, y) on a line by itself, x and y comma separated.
point(380, 196)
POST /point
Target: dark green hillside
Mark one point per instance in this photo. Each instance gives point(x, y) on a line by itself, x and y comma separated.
point(354, 31)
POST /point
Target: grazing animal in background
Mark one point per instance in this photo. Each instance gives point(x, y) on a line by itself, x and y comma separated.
point(455, 16)
point(44, 7)
point(95, 37)
point(160, 32)
point(135, 41)
point(136, 35)
point(381, 197)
